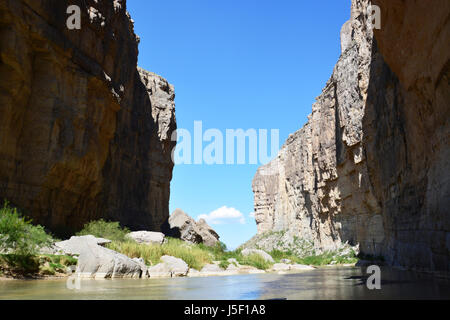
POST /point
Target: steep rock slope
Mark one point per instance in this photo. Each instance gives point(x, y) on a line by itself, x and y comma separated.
point(370, 165)
point(407, 131)
point(84, 134)
point(318, 187)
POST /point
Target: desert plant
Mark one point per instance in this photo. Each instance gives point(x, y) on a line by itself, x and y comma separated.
point(104, 229)
point(18, 236)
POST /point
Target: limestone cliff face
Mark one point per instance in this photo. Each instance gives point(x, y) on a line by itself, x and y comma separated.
point(84, 134)
point(369, 167)
point(407, 131)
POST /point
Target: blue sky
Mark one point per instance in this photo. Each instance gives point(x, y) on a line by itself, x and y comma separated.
point(237, 64)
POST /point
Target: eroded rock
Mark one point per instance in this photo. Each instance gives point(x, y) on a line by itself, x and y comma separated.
point(182, 226)
point(147, 237)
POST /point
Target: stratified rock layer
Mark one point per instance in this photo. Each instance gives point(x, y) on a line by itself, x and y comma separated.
point(370, 165)
point(84, 134)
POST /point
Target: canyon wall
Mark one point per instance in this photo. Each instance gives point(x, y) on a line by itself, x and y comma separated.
point(370, 165)
point(84, 133)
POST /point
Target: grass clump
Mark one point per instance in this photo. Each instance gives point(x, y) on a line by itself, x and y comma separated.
point(254, 260)
point(104, 229)
point(19, 264)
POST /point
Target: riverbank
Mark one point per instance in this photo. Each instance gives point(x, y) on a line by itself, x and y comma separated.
point(106, 250)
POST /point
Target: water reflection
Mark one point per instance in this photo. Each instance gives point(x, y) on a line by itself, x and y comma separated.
point(327, 283)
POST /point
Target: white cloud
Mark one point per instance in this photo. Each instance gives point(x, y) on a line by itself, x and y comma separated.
point(252, 214)
point(224, 215)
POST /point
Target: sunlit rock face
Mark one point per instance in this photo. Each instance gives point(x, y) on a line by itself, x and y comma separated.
point(370, 165)
point(83, 134)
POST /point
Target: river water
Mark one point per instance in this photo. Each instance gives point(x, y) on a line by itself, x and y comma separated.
point(325, 283)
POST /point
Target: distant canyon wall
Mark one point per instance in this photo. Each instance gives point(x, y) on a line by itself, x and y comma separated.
point(84, 133)
point(371, 164)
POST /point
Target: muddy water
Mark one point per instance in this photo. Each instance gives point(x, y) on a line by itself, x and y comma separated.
point(327, 283)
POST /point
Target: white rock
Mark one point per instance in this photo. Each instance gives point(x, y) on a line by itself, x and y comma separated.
point(267, 257)
point(99, 262)
point(281, 267)
point(75, 245)
point(147, 237)
point(160, 270)
point(300, 267)
point(177, 266)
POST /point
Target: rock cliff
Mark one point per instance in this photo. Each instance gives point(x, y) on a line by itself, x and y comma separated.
point(369, 166)
point(84, 133)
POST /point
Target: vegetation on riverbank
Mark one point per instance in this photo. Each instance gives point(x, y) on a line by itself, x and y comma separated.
point(21, 242)
point(104, 229)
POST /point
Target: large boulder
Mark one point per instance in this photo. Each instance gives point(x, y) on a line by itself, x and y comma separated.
point(169, 267)
point(177, 266)
point(267, 257)
point(99, 263)
point(182, 226)
point(75, 245)
point(147, 237)
point(96, 261)
point(160, 270)
point(209, 236)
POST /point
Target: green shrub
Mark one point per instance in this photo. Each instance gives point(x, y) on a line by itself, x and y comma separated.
point(254, 260)
point(18, 235)
point(23, 264)
point(224, 264)
point(103, 229)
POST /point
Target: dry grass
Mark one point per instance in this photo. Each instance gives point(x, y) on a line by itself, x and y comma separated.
point(193, 255)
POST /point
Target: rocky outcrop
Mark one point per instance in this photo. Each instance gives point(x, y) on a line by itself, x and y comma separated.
point(407, 132)
point(368, 168)
point(147, 237)
point(264, 255)
point(96, 261)
point(318, 188)
point(84, 134)
point(181, 226)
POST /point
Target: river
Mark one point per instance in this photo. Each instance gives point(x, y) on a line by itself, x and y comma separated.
point(324, 283)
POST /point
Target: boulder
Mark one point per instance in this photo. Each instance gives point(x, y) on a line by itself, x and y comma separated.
point(267, 257)
point(177, 266)
point(193, 273)
point(211, 270)
point(209, 236)
point(287, 261)
point(143, 266)
point(232, 267)
point(182, 226)
point(75, 245)
point(169, 267)
point(160, 270)
point(99, 263)
point(147, 237)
